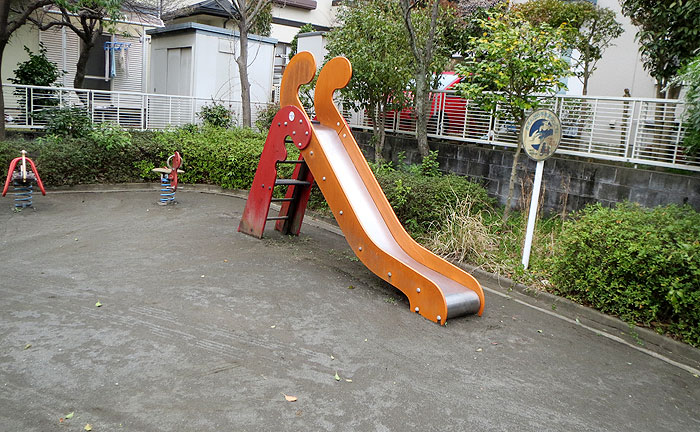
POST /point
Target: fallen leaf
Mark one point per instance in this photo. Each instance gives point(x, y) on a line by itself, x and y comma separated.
point(225, 260)
point(69, 416)
point(98, 304)
point(494, 343)
point(479, 350)
point(273, 326)
point(337, 377)
point(202, 276)
point(290, 398)
point(696, 375)
point(351, 287)
point(365, 340)
point(60, 420)
point(348, 380)
point(332, 358)
point(27, 346)
point(88, 427)
point(539, 331)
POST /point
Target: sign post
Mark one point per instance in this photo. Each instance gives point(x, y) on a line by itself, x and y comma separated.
point(540, 138)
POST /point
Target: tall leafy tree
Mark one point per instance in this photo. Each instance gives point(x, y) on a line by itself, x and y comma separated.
point(421, 19)
point(669, 34)
point(13, 15)
point(371, 35)
point(515, 63)
point(592, 29)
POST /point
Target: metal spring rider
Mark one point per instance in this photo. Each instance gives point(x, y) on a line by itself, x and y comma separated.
point(22, 181)
point(168, 178)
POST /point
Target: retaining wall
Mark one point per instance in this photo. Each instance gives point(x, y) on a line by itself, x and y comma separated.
point(568, 183)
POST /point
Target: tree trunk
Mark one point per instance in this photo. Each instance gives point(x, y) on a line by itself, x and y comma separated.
point(82, 64)
point(422, 106)
point(513, 176)
point(242, 62)
point(3, 44)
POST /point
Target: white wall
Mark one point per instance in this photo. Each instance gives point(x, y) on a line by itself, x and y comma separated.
point(315, 43)
point(621, 66)
point(14, 52)
point(214, 69)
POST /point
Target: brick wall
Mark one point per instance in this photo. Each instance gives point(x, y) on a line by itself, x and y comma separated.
point(567, 181)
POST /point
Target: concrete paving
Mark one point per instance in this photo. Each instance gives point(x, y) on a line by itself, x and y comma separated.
point(203, 328)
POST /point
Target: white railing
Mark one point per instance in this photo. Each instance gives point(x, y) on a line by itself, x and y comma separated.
point(634, 130)
point(30, 107)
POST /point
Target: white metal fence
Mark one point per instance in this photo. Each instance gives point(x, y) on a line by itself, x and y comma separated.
point(30, 107)
point(635, 130)
point(639, 131)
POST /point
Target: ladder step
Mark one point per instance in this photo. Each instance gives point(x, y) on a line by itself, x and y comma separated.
point(288, 161)
point(282, 199)
point(278, 217)
point(291, 182)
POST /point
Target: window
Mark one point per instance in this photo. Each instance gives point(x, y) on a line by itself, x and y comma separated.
point(95, 68)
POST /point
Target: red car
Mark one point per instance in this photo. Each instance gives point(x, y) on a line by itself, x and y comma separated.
point(446, 110)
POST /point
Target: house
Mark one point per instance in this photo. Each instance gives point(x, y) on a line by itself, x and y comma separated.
point(63, 46)
point(288, 16)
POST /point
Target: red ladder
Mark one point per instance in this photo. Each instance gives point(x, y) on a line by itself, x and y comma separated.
point(290, 122)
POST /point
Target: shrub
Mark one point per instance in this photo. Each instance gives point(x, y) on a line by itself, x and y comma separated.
point(265, 116)
point(419, 200)
point(216, 115)
point(640, 264)
point(68, 122)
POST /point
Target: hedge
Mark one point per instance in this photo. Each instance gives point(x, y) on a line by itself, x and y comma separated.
point(640, 264)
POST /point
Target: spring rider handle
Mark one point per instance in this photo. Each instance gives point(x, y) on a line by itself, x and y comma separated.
point(23, 173)
point(173, 163)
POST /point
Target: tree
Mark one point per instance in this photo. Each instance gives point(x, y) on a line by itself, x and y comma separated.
point(371, 35)
point(591, 29)
point(248, 16)
point(515, 64)
point(87, 19)
point(13, 15)
point(424, 42)
point(690, 77)
point(669, 34)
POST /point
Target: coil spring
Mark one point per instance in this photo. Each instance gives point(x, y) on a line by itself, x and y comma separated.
point(22, 193)
point(167, 194)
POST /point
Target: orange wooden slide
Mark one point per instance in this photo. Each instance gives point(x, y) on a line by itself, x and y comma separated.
point(435, 288)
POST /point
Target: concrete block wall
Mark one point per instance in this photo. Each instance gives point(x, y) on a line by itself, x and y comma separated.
point(569, 183)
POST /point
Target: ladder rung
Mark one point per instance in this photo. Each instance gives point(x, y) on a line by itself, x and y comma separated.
point(278, 217)
point(281, 199)
point(289, 161)
point(291, 182)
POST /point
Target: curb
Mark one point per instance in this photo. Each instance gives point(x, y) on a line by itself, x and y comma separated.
point(637, 337)
point(634, 335)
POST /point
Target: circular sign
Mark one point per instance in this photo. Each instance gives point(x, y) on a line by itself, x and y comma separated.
point(541, 134)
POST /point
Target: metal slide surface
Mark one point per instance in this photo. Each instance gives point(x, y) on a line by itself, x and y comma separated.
point(460, 300)
point(435, 288)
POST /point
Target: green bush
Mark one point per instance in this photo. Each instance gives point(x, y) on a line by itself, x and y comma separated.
point(265, 116)
point(67, 121)
point(216, 115)
point(420, 200)
point(640, 264)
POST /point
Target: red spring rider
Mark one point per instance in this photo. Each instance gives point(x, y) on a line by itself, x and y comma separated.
point(22, 181)
point(168, 178)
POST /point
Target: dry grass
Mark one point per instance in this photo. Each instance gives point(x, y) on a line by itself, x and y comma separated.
point(464, 236)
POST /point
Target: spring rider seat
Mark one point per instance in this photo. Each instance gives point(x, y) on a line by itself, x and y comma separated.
point(168, 178)
point(22, 181)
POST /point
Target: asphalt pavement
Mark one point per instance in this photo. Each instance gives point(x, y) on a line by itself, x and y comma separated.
point(203, 328)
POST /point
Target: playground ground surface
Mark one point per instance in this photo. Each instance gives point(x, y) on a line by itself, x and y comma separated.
point(203, 328)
